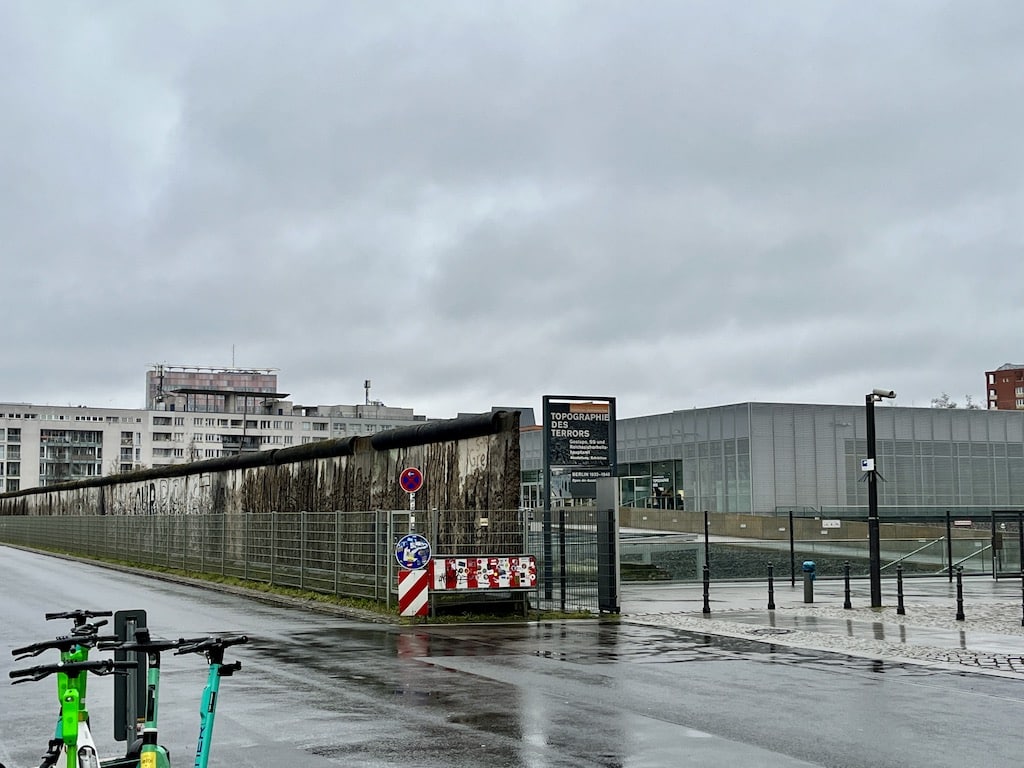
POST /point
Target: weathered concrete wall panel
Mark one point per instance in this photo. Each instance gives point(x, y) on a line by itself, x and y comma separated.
point(470, 465)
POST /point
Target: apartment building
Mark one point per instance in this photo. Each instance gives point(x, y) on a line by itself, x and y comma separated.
point(1004, 388)
point(214, 413)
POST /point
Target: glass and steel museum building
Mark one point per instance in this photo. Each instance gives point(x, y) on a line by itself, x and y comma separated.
point(766, 458)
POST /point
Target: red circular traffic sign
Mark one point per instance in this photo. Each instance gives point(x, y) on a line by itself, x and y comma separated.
point(411, 480)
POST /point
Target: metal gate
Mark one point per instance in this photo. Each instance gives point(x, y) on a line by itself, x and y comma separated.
point(1007, 543)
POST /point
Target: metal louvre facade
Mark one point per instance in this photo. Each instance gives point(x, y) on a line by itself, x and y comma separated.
point(764, 458)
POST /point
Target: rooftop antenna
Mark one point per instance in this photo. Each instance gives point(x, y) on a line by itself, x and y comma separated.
point(366, 386)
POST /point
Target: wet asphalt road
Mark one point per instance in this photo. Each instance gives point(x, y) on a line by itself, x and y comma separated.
point(320, 691)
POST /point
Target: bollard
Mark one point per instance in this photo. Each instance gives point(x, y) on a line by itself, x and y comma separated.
point(809, 568)
point(900, 610)
point(1022, 594)
point(771, 591)
point(846, 577)
point(959, 593)
point(707, 589)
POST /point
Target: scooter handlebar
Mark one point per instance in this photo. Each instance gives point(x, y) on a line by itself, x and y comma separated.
point(65, 643)
point(99, 667)
point(78, 615)
point(206, 644)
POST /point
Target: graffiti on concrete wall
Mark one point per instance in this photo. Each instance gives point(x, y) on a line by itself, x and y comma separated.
point(469, 464)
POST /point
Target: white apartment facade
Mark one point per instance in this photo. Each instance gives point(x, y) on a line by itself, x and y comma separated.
point(42, 445)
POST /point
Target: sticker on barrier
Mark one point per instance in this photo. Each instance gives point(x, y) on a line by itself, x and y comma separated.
point(487, 572)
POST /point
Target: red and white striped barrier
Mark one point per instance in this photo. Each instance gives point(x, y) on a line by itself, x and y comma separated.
point(413, 591)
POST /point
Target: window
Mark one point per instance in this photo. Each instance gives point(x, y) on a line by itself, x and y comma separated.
point(197, 422)
point(306, 426)
point(13, 485)
point(264, 425)
point(14, 452)
point(319, 426)
point(13, 468)
point(179, 421)
point(179, 453)
point(289, 425)
point(277, 425)
point(14, 434)
point(179, 437)
point(288, 439)
point(161, 421)
point(161, 437)
point(197, 437)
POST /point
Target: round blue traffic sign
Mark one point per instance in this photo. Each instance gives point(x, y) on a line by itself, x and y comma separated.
point(411, 480)
point(412, 551)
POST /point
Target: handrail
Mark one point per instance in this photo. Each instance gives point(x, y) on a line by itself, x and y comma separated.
point(965, 559)
point(911, 554)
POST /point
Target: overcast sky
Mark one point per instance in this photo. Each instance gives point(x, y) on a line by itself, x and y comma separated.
point(674, 203)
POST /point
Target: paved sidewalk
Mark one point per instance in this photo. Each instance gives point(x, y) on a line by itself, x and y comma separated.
point(990, 639)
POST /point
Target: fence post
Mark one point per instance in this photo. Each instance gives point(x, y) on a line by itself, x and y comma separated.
point(337, 549)
point(273, 543)
point(707, 589)
point(707, 539)
point(224, 542)
point(792, 553)
point(389, 561)
point(949, 546)
point(771, 589)
point(562, 558)
point(302, 549)
point(245, 549)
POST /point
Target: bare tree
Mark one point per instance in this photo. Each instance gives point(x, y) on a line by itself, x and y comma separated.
point(945, 401)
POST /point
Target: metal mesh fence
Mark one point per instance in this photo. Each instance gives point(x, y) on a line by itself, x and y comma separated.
point(675, 545)
point(347, 554)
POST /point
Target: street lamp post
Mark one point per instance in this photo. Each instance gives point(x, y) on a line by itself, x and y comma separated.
point(874, 554)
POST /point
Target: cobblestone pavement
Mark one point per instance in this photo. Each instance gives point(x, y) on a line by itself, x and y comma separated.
point(989, 640)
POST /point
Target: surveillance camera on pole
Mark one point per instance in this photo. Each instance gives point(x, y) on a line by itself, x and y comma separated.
point(878, 394)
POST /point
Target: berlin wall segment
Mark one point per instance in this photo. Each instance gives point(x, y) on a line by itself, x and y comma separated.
point(471, 464)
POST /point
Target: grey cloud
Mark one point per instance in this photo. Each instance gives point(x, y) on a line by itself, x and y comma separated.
point(677, 204)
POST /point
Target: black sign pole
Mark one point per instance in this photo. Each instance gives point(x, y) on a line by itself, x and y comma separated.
point(549, 574)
